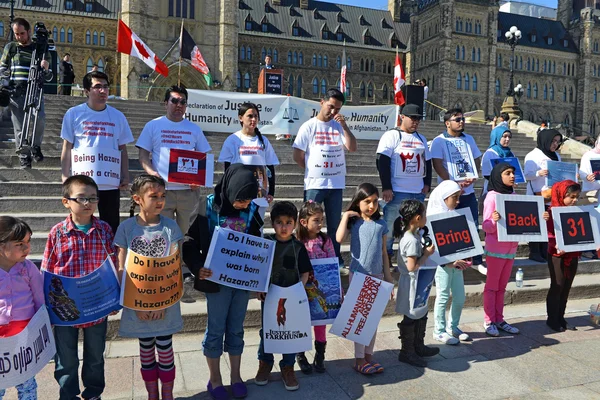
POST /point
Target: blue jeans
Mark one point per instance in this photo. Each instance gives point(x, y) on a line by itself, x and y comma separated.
point(67, 360)
point(226, 313)
point(26, 390)
point(470, 201)
point(331, 199)
point(391, 212)
point(286, 359)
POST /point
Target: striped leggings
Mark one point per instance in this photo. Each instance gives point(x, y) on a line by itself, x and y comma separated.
point(163, 345)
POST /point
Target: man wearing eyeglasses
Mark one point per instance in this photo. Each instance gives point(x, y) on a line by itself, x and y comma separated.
point(97, 135)
point(455, 138)
point(404, 165)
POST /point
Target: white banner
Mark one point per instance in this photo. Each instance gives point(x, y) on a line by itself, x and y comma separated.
point(239, 260)
point(103, 165)
point(362, 309)
point(216, 111)
point(286, 320)
point(23, 355)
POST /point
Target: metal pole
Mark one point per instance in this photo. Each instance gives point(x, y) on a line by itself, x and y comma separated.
point(11, 17)
point(511, 91)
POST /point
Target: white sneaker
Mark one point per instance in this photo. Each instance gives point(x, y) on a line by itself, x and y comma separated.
point(460, 335)
point(445, 338)
point(491, 330)
point(506, 327)
point(482, 269)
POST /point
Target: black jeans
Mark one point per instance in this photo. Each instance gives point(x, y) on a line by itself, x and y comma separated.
point(560, 286)
point(109, 206)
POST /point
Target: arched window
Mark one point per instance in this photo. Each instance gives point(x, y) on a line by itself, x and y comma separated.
point(289, 60)
point(385, 92)
point(370, 91)
point(571, 94)
point(291, 85)
point(551, 92)
point(362, 64)
point(528, 90)
point(372, 66)
point(89, 65)
point(545, 92)
point(593, 126)
point(553, 67)
point(338, 62)
point(100, 65)
point(349, 63)
point(88, 37)
point(314, 60)
point(301, 58)
point(275, 56)
point(315, 86)
point(70, 35)
point(457, 56)
point(362, 90)
point(299, 86)
point(325, 62)
point(295, 57)
point(498, 86)
point(474, 82)
point(320, 61)
point(247, 80)
point(478, 54)
point(463, 52)
point(243, 53)
point(249, 53)
point(595, 96)
point(565, 94)
point(323, 87)
point(102, 39)
point(467, 81)
point(238, 80)
point(521, 62)
point(95, 38)
point(263, 54)
point(62, 35)
point(535, 91)
point(54, 32)
point(473, 54)
point(348, 90)
point(528, 64)
point(458, 81)
point(499, 60)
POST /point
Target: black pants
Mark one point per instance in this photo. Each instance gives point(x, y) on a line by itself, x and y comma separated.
point(65, 88)
point(560, 286)
point(108, 207)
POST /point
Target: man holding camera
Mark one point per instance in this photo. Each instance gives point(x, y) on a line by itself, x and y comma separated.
point(15, 64)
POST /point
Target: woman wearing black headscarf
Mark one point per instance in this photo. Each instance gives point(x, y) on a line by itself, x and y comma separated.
point(230, 207)
point(548, 143)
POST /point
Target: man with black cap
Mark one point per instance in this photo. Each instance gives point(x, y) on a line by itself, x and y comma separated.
point(404, 165)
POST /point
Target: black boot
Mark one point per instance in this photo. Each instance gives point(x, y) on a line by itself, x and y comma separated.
point(305, 366)
point(318, 363)
point(407, 353)
point(420, 348)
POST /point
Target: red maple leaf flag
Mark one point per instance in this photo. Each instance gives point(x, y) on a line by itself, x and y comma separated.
point(399, 81)
point(129, 43)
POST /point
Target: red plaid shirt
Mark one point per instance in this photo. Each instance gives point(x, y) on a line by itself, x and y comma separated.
point(71, 252)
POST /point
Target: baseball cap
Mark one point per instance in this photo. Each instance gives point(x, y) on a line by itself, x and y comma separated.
point(412, 110)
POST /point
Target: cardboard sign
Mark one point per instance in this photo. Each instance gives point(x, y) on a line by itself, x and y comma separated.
point(595, 167)
point(560, 171)
point(188, 167)
point(459, 160)
point(75, 301)
point(286, 320)
point(103, 165)
point(240, 260)
point(521, 218)
point(362, 309)
point(326, 161)
point(576, 228)
point(151, 283)
point(25, 354)
point(410, 163)
point(324, 291)
point(454, 235)
point(514, 161)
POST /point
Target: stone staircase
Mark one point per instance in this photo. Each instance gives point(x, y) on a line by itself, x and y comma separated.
point(34, 195)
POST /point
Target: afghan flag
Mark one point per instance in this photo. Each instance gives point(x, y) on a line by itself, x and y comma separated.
point(130, 43)
point(399, 81)
point(191, 52)
point(343, 72)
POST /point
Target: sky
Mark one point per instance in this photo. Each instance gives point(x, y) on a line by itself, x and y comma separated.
point(382, 4)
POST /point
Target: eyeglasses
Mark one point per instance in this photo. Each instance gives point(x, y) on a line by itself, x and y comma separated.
point(100, 87)
point(459, 119)
point(84, 200)
point(175, 101)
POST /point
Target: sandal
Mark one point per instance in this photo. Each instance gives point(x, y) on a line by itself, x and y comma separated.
point(365, 369)
point(378, 367)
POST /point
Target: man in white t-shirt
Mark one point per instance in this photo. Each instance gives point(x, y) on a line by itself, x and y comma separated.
point(319, 150)
point(455, 125)
point(93, 126)
point(174, 132)
point(404, 166)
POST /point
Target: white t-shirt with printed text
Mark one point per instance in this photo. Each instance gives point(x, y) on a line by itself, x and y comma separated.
point(248, 150)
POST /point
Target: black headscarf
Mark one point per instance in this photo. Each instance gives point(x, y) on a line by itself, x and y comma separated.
point(496, 183)
point(544, 141)
point(238, 183)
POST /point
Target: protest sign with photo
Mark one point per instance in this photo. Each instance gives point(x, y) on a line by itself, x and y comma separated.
point(101, 164)
point(151, 283)
point(560, 171)
point(240, 260)
point(186, 166)
point(286, 320)
point(521, 218)
point(595, 167)
point(459, 160)
point(576, 228)
point(363, 307)
point(25, 354)
point(454, 235)
point(514, 161)
point(421, 288)
point(76, 301)
point(324, 291)
point(410, 163)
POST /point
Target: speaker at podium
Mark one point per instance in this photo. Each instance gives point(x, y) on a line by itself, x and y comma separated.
point(270, 81)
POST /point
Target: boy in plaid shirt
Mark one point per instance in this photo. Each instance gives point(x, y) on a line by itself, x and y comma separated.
point(76, 247)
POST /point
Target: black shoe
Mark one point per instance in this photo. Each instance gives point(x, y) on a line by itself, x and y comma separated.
point(319, 361)
point(37, 154)
point(25, 162)
point(423, 351)
point(555, 328)
point(305, 366)
point(411, 358)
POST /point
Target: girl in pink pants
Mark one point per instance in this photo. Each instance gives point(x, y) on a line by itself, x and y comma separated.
point(500, 256)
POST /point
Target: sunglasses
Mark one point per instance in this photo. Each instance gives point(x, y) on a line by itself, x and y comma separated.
point(175, 101)
point(460, 119)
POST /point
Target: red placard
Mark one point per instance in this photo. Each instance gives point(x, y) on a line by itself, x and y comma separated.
point(187, 167)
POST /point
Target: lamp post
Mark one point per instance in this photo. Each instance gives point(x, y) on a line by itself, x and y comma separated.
point(518, 90)
point(11, 35)
point(512, 38)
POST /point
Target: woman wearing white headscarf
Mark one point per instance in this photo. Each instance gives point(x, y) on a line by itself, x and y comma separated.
point(449, 277)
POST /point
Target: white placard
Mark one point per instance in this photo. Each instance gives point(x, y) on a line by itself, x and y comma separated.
point(573, 230)
point(454, 235)
point(410, 163)
point(240, 260)
point(286, 320)
point(517, 216)
point(363, 307)
point(25, 354)
point(102, 165)
point(459, 160)
point(326, 161)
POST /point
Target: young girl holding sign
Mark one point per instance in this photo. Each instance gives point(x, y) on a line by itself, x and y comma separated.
point(152, 235)
point(500, 256)
point(368, 233)
point(318, 245)
point(448, 277)
point(21, 285)
point(412, 328)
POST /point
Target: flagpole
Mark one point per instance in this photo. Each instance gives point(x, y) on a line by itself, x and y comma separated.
point(180, 44)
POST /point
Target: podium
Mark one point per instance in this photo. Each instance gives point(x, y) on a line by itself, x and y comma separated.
point(270, 81)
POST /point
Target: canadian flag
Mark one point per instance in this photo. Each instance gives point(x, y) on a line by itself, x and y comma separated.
point(129, 43)
point(399, 81)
